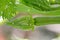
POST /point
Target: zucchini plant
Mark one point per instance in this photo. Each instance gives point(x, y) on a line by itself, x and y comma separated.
point(25, 14)
point(12, 10)
point(15, 12)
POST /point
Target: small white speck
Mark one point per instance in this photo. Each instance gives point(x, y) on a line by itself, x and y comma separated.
point(17, 2)
point(1, 19)
point(48, 0)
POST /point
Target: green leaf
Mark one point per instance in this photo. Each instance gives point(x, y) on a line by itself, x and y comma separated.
point(37, 4)
point(25, 23)
point(42, 5)
point(7, 8)
point(54, 1)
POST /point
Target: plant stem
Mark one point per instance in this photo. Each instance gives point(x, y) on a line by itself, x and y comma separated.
point(46, 20)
